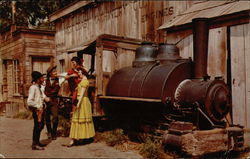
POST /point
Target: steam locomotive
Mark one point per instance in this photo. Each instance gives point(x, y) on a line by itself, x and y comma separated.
point(160, 82)
point(163, 91)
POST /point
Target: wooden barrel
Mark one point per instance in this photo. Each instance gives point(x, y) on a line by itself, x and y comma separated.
point(12, 109)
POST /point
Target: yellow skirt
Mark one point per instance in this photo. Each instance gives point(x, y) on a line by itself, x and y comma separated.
point(82, 130)
point(82, 126)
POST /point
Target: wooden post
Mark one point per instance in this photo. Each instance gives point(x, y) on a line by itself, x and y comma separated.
point(99, 79)
point(99, 70)
point(1, 80)
point(119, 52)
point(247, 57)
point(239, 72)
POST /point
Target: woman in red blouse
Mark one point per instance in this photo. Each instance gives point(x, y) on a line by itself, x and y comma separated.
point(73, 79)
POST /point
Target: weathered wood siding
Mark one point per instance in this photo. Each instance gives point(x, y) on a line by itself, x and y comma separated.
point(135, 19)
point(240, 57)
point(1, 79)
point(217, 53)
point(217, 50)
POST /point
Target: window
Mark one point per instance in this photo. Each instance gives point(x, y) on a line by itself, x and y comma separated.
point(12, 77)
point(16, 76)
point(62, 66)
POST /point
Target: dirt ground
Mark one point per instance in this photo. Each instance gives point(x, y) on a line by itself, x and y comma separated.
point(16, 139)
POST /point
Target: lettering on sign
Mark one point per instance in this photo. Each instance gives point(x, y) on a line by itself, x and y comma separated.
point(89, 19)
point(157, 14)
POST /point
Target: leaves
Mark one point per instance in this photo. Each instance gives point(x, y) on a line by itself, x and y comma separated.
point(29, 12)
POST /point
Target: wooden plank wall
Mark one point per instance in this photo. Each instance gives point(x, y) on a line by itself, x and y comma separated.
point(66, 57)
point(1, 79)
point(247, 62)
point(87, 61)
point(247, 65)
point(217, 53)
point(186, 47)
point(217, 50)
point(240, 57)
point(135, 19)
point(11, 48)
point(108, 61)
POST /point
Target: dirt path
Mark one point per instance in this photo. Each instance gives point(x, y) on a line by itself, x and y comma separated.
point(15, 142)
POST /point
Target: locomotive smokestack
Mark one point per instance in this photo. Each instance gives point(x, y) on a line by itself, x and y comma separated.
point(200, 42)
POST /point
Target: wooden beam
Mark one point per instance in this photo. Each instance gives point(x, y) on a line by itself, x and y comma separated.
point(34, 31)
point(67, 10)
point(118, 53)
point(120, 45)
point(225, 20)
point(110, 37)
point(131, 99)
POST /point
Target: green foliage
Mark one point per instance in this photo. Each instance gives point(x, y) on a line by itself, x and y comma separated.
point(24, 115)
point(5, 13)
point(114, 137)
point(29, 12)
point(153, 149)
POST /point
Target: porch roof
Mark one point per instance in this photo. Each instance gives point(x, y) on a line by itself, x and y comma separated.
point(217, 11)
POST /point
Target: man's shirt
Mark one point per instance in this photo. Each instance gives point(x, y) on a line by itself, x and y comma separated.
point(36, 97)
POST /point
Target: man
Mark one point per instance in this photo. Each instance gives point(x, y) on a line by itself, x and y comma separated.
point(36, 104)
point(51, 90)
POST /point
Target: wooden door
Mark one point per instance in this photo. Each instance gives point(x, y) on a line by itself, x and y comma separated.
point(41, 64)
point(240, 65)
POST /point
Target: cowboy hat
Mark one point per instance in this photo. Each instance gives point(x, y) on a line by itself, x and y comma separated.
point(50, 69)
point(36, 75)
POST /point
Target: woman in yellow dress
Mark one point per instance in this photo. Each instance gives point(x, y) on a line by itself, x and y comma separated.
point(82, 126)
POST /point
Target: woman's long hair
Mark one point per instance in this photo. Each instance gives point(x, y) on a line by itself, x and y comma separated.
point(84, 72)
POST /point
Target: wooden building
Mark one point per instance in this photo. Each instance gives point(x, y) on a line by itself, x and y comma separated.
point(80, 25)
point(83, 21)
point(22, 51)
